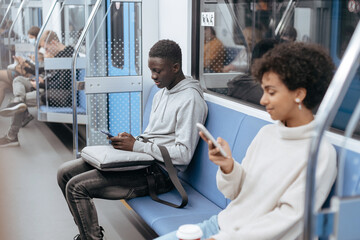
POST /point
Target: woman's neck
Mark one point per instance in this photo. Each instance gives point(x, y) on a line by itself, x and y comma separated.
point(304, 117)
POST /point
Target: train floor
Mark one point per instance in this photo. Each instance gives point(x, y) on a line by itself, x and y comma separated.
point(31, 204)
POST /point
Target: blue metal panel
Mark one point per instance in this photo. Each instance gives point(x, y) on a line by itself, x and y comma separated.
point(129, 43)
point(135, 110)
point(119, 113)
point(124, 108)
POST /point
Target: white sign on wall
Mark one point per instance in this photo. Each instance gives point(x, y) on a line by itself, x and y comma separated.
point(208, 19)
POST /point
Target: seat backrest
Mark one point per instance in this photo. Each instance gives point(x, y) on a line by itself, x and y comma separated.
point(147, 109)
point(201, 173)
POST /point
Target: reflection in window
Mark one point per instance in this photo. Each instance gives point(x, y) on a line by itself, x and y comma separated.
point(348, 22)
point(227, 47)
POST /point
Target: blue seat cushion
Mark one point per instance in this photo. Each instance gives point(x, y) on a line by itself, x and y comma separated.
point(163, 219)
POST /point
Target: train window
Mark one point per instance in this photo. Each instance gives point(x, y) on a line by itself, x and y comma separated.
point(228, 35)
point(232, 35)
point(350, 16)
point(74, 22)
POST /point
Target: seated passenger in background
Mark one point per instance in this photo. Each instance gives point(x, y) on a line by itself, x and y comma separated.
point(267, 190)
point(58, 87)
point(21, 67)
point(289, 35)
point(240, 63)
point(175, 111)
point(24, 90)
point(243, 86)
point(214, 52)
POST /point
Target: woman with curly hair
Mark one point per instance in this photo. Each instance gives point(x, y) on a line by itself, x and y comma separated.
point(267, 189)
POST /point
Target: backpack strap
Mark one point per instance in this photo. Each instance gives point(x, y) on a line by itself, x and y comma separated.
point(173, 177)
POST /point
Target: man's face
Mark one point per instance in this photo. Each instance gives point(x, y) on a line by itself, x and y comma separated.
point(163, 72)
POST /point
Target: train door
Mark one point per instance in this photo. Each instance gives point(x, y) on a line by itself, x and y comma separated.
point(113, 82)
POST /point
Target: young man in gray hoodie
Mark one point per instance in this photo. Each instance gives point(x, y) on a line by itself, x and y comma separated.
point(176, 109)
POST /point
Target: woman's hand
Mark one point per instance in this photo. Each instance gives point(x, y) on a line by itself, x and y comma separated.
point(226, 164)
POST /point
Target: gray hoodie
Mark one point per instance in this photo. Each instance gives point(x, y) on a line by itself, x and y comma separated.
point(173, 118)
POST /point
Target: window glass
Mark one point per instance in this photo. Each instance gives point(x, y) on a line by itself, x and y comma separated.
point(241, 32)
point(233, 34)
point(349, 17)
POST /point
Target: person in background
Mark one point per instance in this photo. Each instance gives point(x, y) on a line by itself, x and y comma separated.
point(290, 34)
point(240, 63)
point(243, 86)
point(21, 67)
point(214, 52)
point(24, 89)
point(267, 188)
point(176, 109)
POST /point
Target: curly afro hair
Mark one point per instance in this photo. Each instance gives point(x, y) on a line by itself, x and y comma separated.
point(166, 49)
point(298, 65)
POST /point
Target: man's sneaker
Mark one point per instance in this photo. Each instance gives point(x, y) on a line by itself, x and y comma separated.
point(28, 118)
point(12, 108)
point(7, 142)
point(102, 233)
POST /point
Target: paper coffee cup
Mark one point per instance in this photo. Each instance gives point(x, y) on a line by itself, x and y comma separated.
point(189, 232)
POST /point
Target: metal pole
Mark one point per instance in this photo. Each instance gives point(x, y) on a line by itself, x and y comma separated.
point(324, 117)
point(74, 82)
point(37, 52)
point(6, 13)
point(13, 25)
point(285, 18)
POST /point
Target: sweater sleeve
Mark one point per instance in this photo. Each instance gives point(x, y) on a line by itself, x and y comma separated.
point(230, 184)
point(285, 221)
point(186, 134)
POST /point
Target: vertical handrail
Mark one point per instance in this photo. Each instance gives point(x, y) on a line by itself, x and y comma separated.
point(13, 25)
point(285, 17)
point(74, 82)
point(37, 52)
point(324, 117)
point(6, 13)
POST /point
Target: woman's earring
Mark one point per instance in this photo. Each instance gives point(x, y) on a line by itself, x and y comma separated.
point(297, 100)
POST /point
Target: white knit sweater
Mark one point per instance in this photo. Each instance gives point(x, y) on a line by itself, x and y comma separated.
point(268, 188)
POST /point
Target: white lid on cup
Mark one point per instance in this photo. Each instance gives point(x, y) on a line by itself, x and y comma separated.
point(189, 232)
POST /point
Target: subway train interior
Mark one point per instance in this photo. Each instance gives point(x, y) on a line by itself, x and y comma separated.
point(105, 84)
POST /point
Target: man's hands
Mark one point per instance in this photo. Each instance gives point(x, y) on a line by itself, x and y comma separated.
point(123, 141)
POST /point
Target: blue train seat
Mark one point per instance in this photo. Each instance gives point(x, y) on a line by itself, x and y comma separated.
point(81, 101)
point(203, 201)
point(199, 179)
